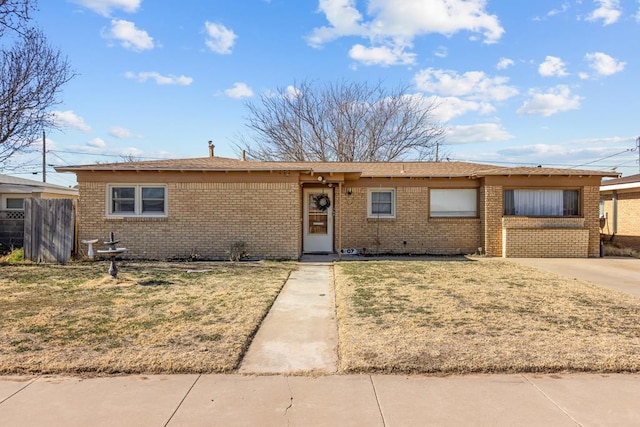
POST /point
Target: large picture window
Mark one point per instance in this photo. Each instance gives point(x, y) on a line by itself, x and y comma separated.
point(137, 200)
point(542, 202)
point(456, 202)
point(381, 203)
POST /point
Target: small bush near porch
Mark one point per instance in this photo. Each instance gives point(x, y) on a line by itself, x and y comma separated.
point(156, 318)
point(483, 316)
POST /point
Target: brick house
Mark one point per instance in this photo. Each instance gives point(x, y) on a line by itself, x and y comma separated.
point(178, 208)
point(620, 210)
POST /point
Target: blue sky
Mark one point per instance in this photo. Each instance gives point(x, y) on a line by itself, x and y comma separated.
point(530, 82)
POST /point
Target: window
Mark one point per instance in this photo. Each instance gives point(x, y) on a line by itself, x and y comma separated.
point(145, 200)
point(453, 202)
point(15, 203)
point(381, 203)
point(542, 202)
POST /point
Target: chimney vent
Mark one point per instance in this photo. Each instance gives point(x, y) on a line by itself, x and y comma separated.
point(244, 155)
point(211, 147)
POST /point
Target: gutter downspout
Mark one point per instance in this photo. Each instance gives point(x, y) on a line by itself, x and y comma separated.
point(614, 213)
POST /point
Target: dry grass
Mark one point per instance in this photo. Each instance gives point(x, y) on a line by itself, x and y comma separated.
point(156, 318)
point(614, 249)
point(480, 316)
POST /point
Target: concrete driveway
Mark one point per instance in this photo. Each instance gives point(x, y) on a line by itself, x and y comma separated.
point(622, 274)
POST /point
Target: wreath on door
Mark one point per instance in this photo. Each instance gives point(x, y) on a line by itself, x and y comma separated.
point(322, 202)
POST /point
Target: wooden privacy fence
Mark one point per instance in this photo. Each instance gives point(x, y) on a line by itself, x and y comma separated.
point(48, 230)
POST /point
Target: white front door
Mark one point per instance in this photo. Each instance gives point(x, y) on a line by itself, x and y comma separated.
point(318, 220)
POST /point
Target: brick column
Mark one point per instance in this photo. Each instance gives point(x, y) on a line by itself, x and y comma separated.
point(492, 219)
point(591, 213)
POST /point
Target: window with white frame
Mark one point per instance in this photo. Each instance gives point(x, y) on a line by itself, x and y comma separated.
point(14, 203)
point(381, 203)
point(137, 200)
point(453, 202)
point(538, 202)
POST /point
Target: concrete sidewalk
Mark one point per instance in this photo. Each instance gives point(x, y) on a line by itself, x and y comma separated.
point(300, 333)
point(350, 400)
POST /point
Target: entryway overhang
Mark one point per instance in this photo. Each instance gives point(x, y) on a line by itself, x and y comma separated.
point(332, 182)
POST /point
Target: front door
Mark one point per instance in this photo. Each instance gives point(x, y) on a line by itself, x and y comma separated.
point(318, 220)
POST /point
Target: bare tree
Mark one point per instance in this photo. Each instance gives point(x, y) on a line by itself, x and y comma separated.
point(344, 121)
point(31, 76)
point(15, 14)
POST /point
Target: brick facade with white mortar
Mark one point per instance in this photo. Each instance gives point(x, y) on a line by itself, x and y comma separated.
point(212, 203)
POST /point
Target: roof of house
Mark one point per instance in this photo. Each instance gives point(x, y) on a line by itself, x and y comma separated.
point(376, 169)
point(624, 180)
point(627, 182)
point(13, 184)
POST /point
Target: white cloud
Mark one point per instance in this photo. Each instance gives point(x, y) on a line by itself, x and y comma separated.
point(604, 64)
point(381, 55)
point(122, 133)
point(609, 12)
point(563, 9)
point(220, 39)
point(504, 63)
point(450, 107)
point(239, 90)
point(104, 7)
point(96, 143)
point(129, 36)
point(293, 92)
point(396, 23)
point(344, 19)
point(552, 67)
point(70, 119)
point(472, 84)
point(555, 100)
point(483, 132)
point(159, 78)
point(441, 52)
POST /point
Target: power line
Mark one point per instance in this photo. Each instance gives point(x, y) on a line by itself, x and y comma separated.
point(604, 158)
point(102, 155)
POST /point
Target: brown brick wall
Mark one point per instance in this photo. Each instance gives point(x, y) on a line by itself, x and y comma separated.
point(411, 232)
point(492, 219)
point(545, 243)
point(544, 237)
point(204, 219)
point(591, 214)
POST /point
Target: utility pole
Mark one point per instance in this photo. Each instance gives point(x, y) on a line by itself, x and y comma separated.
point(44, 157)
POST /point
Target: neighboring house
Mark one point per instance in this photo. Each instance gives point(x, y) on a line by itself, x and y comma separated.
point(201, 207)
point(620, 210)
point(13, 192)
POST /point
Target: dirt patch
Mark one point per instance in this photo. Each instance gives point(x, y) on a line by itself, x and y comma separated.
point(470, 317)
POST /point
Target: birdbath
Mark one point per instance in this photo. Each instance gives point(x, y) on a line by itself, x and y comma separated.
point(112, 253)
point(90, 243)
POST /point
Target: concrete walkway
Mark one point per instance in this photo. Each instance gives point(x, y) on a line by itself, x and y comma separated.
point(349, 400)
point(300, 333)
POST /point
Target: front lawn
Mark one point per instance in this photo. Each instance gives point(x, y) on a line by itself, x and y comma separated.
point(471, 316)
point(156, 318)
